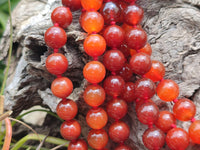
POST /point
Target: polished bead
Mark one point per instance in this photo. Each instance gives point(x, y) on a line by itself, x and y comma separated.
point(140, 63)
point(177, 139)
point(167, 90)
point(126, 27)
point(194, 132)
point(96, 118)
point(141, 102)
point(55, 37)
point(94, 72)
point(94, 95)
point(97, 139)
point(123, 147)
point(126, 72)
point(62, 87)
point(125, 50)
point(184, 109)
point(122, 6)
point(72, 4)
point(78, 145)
point(146, 49)
point(91, 5)
point(153, 138)
point(129, 92)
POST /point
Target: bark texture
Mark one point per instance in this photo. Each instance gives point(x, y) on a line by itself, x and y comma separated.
point(173, 28)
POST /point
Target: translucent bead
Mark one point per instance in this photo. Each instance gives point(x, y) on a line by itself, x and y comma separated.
point(122, 6)
point(123, 147)
point(91, 4)
point(129, 92)
point(78, 145)
point(126, 72)
point(125, 50)
point(194, 132)
point(72, 4)
point(146, 49)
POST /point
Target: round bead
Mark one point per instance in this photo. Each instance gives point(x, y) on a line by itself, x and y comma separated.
point(194, 132)
point(56, 63)
point(165, 121)
point(72, 4)
point(125, 50)
point(141, 102)
point(122, 6)
point(167, 90)
point(62, 87)
point(136, 38)
point(55, 37)
point(177, 138)
point(92, 21)
point(123, 147)
point(140, 63)
point(62, 15)
point(146, 49)
point(126, 72)
point(114, 85)
point(96, 118)
point(114, 36)
point(94, 45)
point(94, 72)
point(93, 5)
point(157, 71)
point(117, 108)
point(119, 131)
point(184, 109)
point(94, 95)
point(129, 92)
point(67, 109)
point(113, 60)
point(97, 139)
point(144, 88)
point(70, 130)
point(153, 138)
point(78, 145)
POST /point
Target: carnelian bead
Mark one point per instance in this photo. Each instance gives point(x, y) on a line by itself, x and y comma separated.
point(126, 27)
point(114, 36)
point(144, 88)
point(153, 138)
point(78, 145)
point(94, 72)
point(55, 37)
point(94, 45)
point(146, 49)
point(62, 15)
point(136, 38)
point(97, 139)
point(119, 131)
point(122, 6)
point(92, 21)
point(140, 63)
point(117, 108)
point(194, 132)
point(70, 130)
point(129, 92)
point(56, 63)
point(167, 90)
point(62, 87)
point(91, 5)
point(94, 95)
point(125, 50)
point(72, 4)
point(184, 109)
point(96, 118)
point(165, 121)
point(126, 72)
point(67, 109)
point(123, 147)
point(114, 85)
point(177, 139)
point(113, 60)
point(157, 71)
point(141, 102)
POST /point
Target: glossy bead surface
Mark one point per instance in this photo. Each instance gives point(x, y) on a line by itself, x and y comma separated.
point(153, 138)
point(113, 85)
point(165, 121)
point(72, 4)
point(56, 63)
point(141, 102)
point(146, 49)
point(126, 72)
point(78, 145)
point(119, 131)
point(157, 71)
point(96, 118)
point(92, 21)
point(94, 95)
point(113, 60)
point(67, 109)
point(62, 87)
point(140, 63)
point(70, 130)
point(94, 45)
point(122, 6)
point(97, 139)
point(117, 108)
point(184, 109)
point(177, 138)
point(62, 15)
point(93, 5)
point(55, 37)
point(94, 72)
point(167, 90)
point(125, 50)
point(144, 88)
point(129, 92)
point(194, 132)
point(123, 147)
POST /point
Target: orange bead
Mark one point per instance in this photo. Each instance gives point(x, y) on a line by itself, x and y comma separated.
point(146, 49)
point(94, 72)
point(92, 21)
point(91, 4)
point(167, 90)
point(194, 132)
point(96, 118)
point(94, 45)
